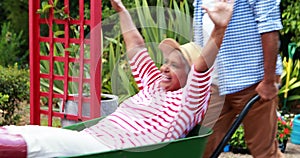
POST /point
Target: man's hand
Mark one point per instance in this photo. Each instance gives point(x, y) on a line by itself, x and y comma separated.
point(267, 90)
point(117, 5)
point(220, 13)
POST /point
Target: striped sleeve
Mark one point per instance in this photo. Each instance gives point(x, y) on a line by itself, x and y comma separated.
point(197, 91)
point(143, 69)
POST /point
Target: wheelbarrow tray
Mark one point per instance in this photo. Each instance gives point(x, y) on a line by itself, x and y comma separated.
point(191, 146)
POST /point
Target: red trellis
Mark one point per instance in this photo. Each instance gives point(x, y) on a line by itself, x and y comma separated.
point(36, 21)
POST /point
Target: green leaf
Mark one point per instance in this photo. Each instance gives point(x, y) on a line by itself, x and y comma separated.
point(55, 2)
point(295, 85)
point(293, 97)
point(58, 33)
point(46, 7)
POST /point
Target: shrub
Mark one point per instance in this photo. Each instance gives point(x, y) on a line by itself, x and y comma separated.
point(291, 20)
point(14, 90)
point(17, 15)
point(10, 43)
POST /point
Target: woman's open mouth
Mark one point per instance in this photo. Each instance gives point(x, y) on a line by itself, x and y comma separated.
point(166, 78)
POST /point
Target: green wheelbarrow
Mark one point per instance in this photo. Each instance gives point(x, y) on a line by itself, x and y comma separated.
point(192, 146)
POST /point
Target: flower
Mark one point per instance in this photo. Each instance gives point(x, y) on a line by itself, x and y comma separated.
point(284, 129)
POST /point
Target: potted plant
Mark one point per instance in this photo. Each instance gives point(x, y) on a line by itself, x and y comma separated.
point(237, 142)
point(284, 131)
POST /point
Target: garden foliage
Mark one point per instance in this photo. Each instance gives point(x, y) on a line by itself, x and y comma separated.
point(10, 43)
point(289, 93)
point(291, 20)
point(238, 138)
point(14, 90)
point(16, 14)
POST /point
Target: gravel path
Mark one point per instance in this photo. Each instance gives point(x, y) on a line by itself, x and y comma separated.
point(291, 151)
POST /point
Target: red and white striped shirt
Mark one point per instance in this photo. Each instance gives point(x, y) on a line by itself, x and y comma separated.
point(154, 115)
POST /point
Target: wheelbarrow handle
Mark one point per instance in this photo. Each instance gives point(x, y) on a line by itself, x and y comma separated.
point(234, 126)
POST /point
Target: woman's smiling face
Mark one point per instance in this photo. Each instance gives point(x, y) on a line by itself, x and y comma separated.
point(174, 71)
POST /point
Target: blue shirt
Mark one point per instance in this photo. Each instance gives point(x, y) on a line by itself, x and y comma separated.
point(240, 61)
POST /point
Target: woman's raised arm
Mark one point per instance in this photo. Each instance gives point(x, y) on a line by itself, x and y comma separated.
point(220, 14)
point(132, 37)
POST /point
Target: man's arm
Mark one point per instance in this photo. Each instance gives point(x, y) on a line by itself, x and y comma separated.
point(267, 88)
point(267, 15)
point(132, 37)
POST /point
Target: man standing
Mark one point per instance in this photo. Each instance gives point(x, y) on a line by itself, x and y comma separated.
point(245, 66)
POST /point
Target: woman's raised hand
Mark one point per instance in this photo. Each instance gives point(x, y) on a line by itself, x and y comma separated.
point(117, 5)
point(220, 13)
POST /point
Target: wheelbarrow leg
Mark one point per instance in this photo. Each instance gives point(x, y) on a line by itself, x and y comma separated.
point(234, 126)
